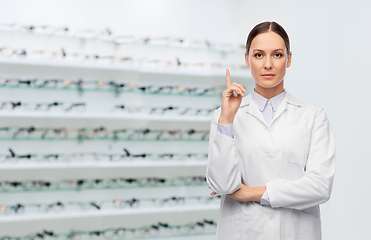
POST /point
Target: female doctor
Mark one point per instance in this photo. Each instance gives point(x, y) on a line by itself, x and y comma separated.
point(271, 156)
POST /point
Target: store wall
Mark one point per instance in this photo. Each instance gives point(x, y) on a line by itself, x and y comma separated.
point(331, 54)
point(333, 65)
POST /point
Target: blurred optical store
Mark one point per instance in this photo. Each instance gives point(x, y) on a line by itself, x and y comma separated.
point(104, 131)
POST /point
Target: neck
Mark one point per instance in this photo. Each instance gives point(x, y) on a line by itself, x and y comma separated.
point(269, 92)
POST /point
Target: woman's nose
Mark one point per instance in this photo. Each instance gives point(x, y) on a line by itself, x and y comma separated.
point(268, 64)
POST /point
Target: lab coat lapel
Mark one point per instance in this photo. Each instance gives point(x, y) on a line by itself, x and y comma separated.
point(281, 108)
point(252, 108)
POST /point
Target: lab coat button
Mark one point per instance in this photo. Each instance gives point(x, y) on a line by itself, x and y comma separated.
point(270, 156)
point(271, 215)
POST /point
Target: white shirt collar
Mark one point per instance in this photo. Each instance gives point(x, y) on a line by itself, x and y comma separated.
point(262, 101)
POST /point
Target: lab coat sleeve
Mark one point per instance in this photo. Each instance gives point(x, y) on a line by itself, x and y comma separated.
point(223, 174)
point(315, 186)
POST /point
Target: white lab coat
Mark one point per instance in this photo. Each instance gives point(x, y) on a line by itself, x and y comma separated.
point(293, 156)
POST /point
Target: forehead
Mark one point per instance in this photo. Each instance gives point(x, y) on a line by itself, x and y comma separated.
point(268, 41)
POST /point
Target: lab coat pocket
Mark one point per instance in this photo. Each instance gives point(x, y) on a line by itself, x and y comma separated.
point(297, 141)
point(310, 227)
point(230, 227)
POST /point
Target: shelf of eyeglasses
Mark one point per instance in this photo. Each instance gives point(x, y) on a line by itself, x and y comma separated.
point(99, 184)
point(106, 35)
point(79, 110)
point(99, 160)
point(101, 164)
point(14, 133)
point(174, 236)
point(159, 67)
point(104, 139)
point(80, 209)
point(118, 116)
point(81, 85)
point(156, 230)
point(125, 156)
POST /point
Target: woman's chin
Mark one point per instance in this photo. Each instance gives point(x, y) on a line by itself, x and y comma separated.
point(268, 85)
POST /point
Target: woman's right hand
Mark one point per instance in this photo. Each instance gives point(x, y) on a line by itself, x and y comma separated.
point(230, 103)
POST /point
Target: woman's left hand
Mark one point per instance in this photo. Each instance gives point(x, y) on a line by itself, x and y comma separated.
point(246, 194)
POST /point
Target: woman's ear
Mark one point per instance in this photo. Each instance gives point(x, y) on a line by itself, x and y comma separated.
point(289, 60)
point(247, 60)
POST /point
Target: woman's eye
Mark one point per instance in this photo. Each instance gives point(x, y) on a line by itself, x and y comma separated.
point(258, 55)
point(279, 55)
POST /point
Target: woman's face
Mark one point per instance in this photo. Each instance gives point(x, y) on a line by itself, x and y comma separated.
point(268, 55)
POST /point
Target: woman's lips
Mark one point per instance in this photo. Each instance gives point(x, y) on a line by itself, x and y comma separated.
point(268, 75)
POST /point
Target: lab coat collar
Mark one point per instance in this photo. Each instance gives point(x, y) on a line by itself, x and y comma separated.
point(253, 109)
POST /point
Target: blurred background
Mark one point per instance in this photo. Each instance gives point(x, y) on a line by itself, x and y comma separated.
point(105, 110)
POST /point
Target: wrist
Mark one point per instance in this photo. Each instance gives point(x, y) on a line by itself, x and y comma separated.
point(257, 193)
point(223, 120)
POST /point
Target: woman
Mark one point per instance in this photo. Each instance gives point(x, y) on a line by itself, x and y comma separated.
point(271, 155)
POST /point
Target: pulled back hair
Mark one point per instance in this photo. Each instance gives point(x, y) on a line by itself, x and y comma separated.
point(266, 27)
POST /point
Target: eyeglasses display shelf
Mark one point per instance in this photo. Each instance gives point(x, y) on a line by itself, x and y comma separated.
point(93, 116)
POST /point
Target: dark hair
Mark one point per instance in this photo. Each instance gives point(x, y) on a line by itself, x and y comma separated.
point(266, 27)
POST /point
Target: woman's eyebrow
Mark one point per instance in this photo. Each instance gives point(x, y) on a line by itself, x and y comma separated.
point(273, 50)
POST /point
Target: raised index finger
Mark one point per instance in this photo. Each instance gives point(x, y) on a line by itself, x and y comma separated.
point(228, 80)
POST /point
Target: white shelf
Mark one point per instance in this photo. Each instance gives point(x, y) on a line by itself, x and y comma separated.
point(99, 213)
point(118, 67)
point(43, 115)
point(117, 40)
point(133, 164)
